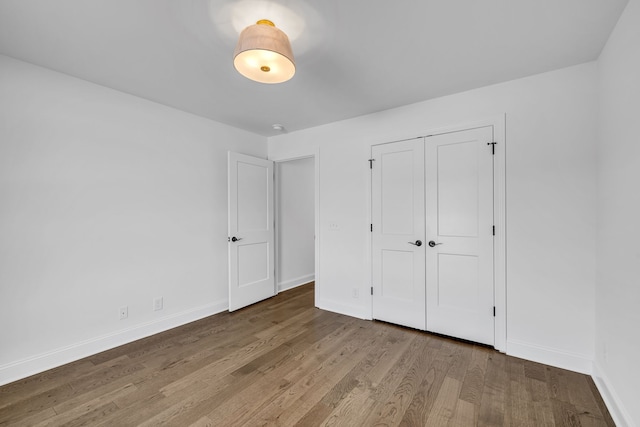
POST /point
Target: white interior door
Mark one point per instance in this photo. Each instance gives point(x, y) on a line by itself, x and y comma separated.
point(398, 233)
point(251, 234)
point(459, 249)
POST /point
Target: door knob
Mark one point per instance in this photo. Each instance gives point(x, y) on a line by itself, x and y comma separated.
point(417, 243)
point(235, 239)
point(432, 243)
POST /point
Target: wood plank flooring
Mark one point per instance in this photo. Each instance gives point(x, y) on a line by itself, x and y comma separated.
point(284, 362)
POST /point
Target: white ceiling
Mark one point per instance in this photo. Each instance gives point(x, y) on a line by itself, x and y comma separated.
point(353, 56)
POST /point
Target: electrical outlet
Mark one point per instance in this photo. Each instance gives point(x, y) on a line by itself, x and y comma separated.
point(157, 304)
point(124, 312)
point(355, 293)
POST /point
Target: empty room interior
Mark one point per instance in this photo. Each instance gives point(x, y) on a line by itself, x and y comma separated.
point(278, 212)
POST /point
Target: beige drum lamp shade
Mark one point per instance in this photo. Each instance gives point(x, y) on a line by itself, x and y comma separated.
point(263, 54)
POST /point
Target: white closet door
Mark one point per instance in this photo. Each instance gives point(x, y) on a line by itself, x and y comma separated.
point(398, 248)
point(459, 249)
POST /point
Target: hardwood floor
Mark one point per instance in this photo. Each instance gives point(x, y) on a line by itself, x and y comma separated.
point(284, 362)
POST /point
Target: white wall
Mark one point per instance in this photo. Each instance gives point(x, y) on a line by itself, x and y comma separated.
point(106, 200)
point(296, 225)
point(618, 250)
point(551, 140)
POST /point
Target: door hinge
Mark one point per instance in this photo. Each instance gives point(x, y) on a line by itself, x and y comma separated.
point(371, 163)
point(494, 311)
point(494, 230)
point(493, 147)
point(372, 290)
point(372, 228)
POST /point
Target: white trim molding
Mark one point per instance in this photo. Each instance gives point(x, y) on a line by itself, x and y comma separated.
point(33, 365)
point(581, 363)
point(295, 282)
point(617, 410)
point(341, 308)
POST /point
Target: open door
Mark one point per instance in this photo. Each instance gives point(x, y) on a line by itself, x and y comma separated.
point(251, 230)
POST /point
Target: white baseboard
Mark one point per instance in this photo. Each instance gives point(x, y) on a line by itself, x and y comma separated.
point(294, 283)
point(551, 356)
point(340, 308)
point(618, 412)
point(32, 365)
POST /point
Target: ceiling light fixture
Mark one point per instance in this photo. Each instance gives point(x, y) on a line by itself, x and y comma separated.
point(263, 54)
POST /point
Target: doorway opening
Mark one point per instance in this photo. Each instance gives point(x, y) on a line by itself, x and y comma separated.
point(295, 206)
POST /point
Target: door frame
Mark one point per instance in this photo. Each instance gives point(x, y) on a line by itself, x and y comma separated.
point(315, 154)
point(499, 212)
